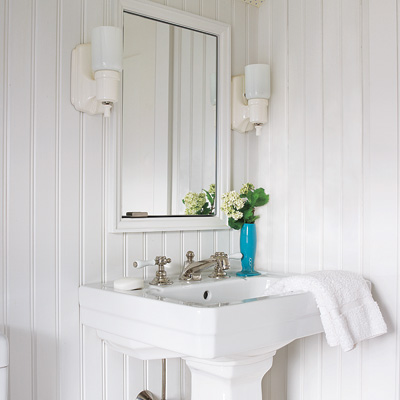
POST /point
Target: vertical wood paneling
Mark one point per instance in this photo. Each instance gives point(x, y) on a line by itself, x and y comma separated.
point(114, 374)
point(3, 161)
point(174, 251)
point(55, 210)
point(69, 209)
point(352, 171)
point(313, 179)
point(225, 10)
point(192, 6)
point(397, 316)
point(135, 249)
point(107, 256)
point(263, 142)
point(296, 135)
point(314, 141)
point(251, 52)
point(93, 218)
point(378, 355)
point(329, 158)
point(279, 142)
point(239, 50)
point(135, 369)
point(155, 246)
point(333, 171)
point(343, 157)
point(46, 201)
point(92, 371)
point(135, 380)
point(209, 8)
point(92, 172)
point(19, 202)
point(175, 3)
point(207, 244)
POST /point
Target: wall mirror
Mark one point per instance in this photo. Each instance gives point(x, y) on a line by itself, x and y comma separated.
point(173, 123)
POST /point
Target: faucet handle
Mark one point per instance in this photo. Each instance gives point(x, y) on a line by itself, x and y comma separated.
point(189, 256)
point(161, 278)
point(222, 264)
point(161, 261)
point(143, 263)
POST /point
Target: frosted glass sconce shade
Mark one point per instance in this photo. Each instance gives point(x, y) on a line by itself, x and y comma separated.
point(107, 48)
point(257, 80)
point(250, 94)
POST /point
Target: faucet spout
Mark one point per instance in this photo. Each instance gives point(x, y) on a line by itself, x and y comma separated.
point(196, 267)
point(193, 269)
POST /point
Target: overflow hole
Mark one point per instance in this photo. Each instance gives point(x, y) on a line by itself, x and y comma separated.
point(206, 295)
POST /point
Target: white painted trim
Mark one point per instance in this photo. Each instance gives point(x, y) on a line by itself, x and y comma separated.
point(219, 221)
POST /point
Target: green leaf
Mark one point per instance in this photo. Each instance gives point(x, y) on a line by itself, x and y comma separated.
point(206, 211)
point(261, 197)
point(209, 197)
point(183, 201)
point(251, 198)
point(235, 224)
point(247, 214)
point(247, 206)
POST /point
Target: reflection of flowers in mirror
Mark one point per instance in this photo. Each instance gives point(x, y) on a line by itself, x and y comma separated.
point(200, 203)
point(240, 207)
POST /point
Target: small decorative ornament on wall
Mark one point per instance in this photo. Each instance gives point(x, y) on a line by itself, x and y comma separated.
point(256, 3)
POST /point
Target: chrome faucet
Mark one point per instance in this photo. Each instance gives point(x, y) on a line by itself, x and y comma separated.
point(192, 270)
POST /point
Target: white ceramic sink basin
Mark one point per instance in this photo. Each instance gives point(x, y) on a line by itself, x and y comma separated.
point(206, 319)
point(212, 293)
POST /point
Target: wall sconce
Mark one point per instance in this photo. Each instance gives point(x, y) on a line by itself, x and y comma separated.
point(250, 94)
point(95, 71)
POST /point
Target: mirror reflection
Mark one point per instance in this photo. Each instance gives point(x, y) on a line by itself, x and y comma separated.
point(169, 137)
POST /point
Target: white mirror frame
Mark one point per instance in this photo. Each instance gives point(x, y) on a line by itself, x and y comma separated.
point(113, 186)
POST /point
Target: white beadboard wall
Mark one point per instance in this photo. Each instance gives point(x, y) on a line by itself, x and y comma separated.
point(53, 234)
point(329, 157)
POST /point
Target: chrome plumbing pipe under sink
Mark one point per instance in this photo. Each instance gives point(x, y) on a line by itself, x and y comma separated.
point(147, 395)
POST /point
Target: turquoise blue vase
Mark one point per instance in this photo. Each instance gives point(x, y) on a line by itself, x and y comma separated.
point(248, 245)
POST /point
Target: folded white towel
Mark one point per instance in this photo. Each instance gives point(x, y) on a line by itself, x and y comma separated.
point(349, 314)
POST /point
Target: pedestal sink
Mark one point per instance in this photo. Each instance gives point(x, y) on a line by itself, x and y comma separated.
point(227, 331)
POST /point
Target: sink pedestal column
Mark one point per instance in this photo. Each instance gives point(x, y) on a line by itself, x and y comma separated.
point(229, 378)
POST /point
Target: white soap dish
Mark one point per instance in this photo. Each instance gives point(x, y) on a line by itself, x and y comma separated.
point(129, 283)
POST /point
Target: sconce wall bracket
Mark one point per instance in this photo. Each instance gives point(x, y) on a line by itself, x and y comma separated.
point(83, 84)
point(240, 109)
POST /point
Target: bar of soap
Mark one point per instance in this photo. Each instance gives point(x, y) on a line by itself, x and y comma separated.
point(129, 283)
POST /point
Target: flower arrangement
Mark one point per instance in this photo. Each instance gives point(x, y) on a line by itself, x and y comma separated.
point(240, 208)
point(200, 203)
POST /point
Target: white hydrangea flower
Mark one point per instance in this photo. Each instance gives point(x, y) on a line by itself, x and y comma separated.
point(194, 202)
point(246, 187)
point(211, 190)
point(237, 215)
point(231, 203)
